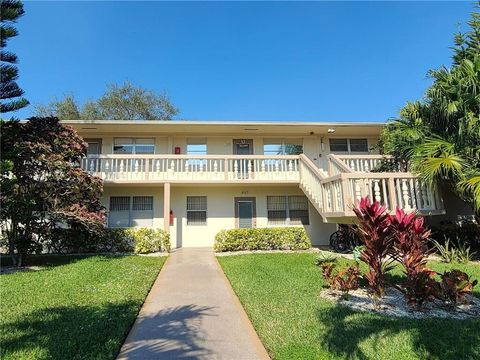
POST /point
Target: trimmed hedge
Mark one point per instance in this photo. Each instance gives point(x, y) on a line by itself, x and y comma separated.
point(278, 238)
point(122, 240)
point(139, 240)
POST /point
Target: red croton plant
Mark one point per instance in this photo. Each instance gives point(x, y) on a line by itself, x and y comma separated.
point(403, 237)
point(375, 232)
point(343, 280)
point(410, 238)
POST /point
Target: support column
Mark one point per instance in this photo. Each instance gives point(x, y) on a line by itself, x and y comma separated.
point(166, 207)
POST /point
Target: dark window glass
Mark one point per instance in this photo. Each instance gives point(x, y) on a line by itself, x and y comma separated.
point(142, 203)
point(358, 145)
point(277, 210)
point(120, 203)
point(338, 145)
point(298, 210)
point(196, 210)
point(293, 149)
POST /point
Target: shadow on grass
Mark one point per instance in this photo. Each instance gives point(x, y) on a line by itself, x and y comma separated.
point(50, 260)
point(430, 338)
point(99, 332)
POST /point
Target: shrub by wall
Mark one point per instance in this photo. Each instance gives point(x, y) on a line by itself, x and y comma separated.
point(468, 234)
point(123, 240)
point(278, 238)
point(139, 240)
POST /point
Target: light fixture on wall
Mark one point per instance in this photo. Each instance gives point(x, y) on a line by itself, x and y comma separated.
point(330, 131)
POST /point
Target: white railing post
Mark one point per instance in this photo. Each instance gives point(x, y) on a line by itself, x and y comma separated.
point(405, 195)
point(107, 169)
point(92, 166)
point(122, 169)
point(376, 190)
point(157, 168)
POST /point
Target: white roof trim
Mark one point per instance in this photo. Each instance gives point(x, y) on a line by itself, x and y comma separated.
point(227, 123)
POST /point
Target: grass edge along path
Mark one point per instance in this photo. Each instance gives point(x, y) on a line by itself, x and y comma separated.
point(280, 295)
point(75, 307)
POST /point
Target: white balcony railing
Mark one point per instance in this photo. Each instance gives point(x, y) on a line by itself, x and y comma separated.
point(363, 163)
point(206, 168)
point(333, 196)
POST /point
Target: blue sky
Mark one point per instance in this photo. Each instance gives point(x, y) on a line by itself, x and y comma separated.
point(302, 61)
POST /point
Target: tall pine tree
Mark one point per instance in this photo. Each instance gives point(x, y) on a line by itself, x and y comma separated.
point(10, 93)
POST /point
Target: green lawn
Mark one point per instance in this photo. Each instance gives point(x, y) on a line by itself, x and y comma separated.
point(75, 308)
point(280, 294)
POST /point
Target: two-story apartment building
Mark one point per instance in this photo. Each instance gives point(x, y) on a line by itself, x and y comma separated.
point(195, 178)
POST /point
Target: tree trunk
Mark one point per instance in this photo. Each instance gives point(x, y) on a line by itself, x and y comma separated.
point(12, 235)
point(20, 260)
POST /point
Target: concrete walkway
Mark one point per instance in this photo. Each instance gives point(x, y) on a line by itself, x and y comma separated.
point(192, 313)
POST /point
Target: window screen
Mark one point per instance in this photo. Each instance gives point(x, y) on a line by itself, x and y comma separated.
point(287, 210)
point(359, 145)
point(196, 210)
point(126, 211)
point(142, 203)
point(272, 149)
point(197, 146)
point(142, 211)
point(123, 146)
point(119, 215)
point(293, 149)
point(93, 148)
point(339, 145)
point(298, 210)
point(134, 146)
point(282, 147)
point(119, 203)
point(144, 146)
point(277, 210)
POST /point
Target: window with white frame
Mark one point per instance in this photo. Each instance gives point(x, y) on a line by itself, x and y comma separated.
point(292, 210)
point(196, 210)
point(134, 146)
point(130, 211)
point(197, 146)
point(273, 147)
point(94, 146)
point(348, 145)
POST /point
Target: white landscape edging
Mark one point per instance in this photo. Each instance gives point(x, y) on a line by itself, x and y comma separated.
point(393, 304)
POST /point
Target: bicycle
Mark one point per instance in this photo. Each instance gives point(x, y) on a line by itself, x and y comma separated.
point(345, 239)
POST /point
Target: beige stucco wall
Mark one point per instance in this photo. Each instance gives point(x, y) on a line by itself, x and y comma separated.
point(221, 213)
point(223, 145)
point(220, 210)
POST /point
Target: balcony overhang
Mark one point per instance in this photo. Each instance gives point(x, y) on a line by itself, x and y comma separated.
point(236, 128)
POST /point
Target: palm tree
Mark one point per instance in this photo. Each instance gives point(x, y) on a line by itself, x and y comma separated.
point(439, 136)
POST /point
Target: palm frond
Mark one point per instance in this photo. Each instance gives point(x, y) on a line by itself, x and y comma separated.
point(472, 185)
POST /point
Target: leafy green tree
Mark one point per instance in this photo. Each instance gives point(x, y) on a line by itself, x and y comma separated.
point(10, 11)
point(119, 102)
point(439, 136)
point(43, 187)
